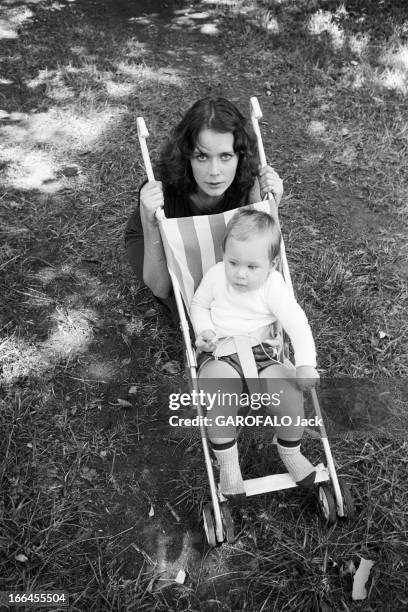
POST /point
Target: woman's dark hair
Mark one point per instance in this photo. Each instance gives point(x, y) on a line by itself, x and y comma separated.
point(220, 115)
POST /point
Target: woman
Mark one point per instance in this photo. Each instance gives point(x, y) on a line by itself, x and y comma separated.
point(209, 165)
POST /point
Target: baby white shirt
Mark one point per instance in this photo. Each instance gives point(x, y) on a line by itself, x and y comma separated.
point(219, 307)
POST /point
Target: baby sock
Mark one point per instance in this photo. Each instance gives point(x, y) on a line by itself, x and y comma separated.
point(231, 482)
point(300, 468)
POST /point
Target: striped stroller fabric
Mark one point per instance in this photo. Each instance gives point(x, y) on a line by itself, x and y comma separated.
point(193, 245)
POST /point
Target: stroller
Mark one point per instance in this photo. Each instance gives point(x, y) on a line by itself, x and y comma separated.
point(192, 245)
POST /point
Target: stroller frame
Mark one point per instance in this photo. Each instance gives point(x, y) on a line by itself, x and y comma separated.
point(217, 519)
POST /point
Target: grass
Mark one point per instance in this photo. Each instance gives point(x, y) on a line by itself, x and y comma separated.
point(89, 471)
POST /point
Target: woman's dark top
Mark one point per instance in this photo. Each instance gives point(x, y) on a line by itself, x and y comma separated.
point(175, 206)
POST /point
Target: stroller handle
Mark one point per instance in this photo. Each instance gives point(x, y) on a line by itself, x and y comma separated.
point(143, 133)
point(256, 114)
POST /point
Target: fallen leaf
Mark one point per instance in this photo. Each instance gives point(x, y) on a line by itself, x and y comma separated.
point(181, 576)
point(360, 578)
point(124, 403)
point(132, 390)
point(20, 557)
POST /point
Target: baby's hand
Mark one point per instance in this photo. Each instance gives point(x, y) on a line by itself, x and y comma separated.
point(306, 377)
point(206, 341)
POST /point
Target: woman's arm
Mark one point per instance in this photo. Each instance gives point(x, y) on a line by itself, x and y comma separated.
point(145, 254)
point(155, 273)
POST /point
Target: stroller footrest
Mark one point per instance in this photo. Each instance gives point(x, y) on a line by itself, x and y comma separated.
point(278, 482)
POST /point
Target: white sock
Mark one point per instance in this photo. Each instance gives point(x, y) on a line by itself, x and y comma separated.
point(300, 468)
point(231, 482)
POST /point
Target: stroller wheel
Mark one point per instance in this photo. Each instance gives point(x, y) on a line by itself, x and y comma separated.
point(227, 523)
point(209, 525)
point(348, 503)
point(327, 505)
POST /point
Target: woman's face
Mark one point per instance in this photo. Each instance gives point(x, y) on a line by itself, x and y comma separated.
point(214, 163)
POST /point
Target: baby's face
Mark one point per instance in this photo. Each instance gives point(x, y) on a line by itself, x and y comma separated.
point(247, 263)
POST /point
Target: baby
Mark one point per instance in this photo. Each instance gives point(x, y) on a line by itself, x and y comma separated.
point(244, 294)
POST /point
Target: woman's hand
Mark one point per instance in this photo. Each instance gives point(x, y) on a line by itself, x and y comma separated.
point(206, 341)
point(151, 197)
point(307, 377)
point(270, 182)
